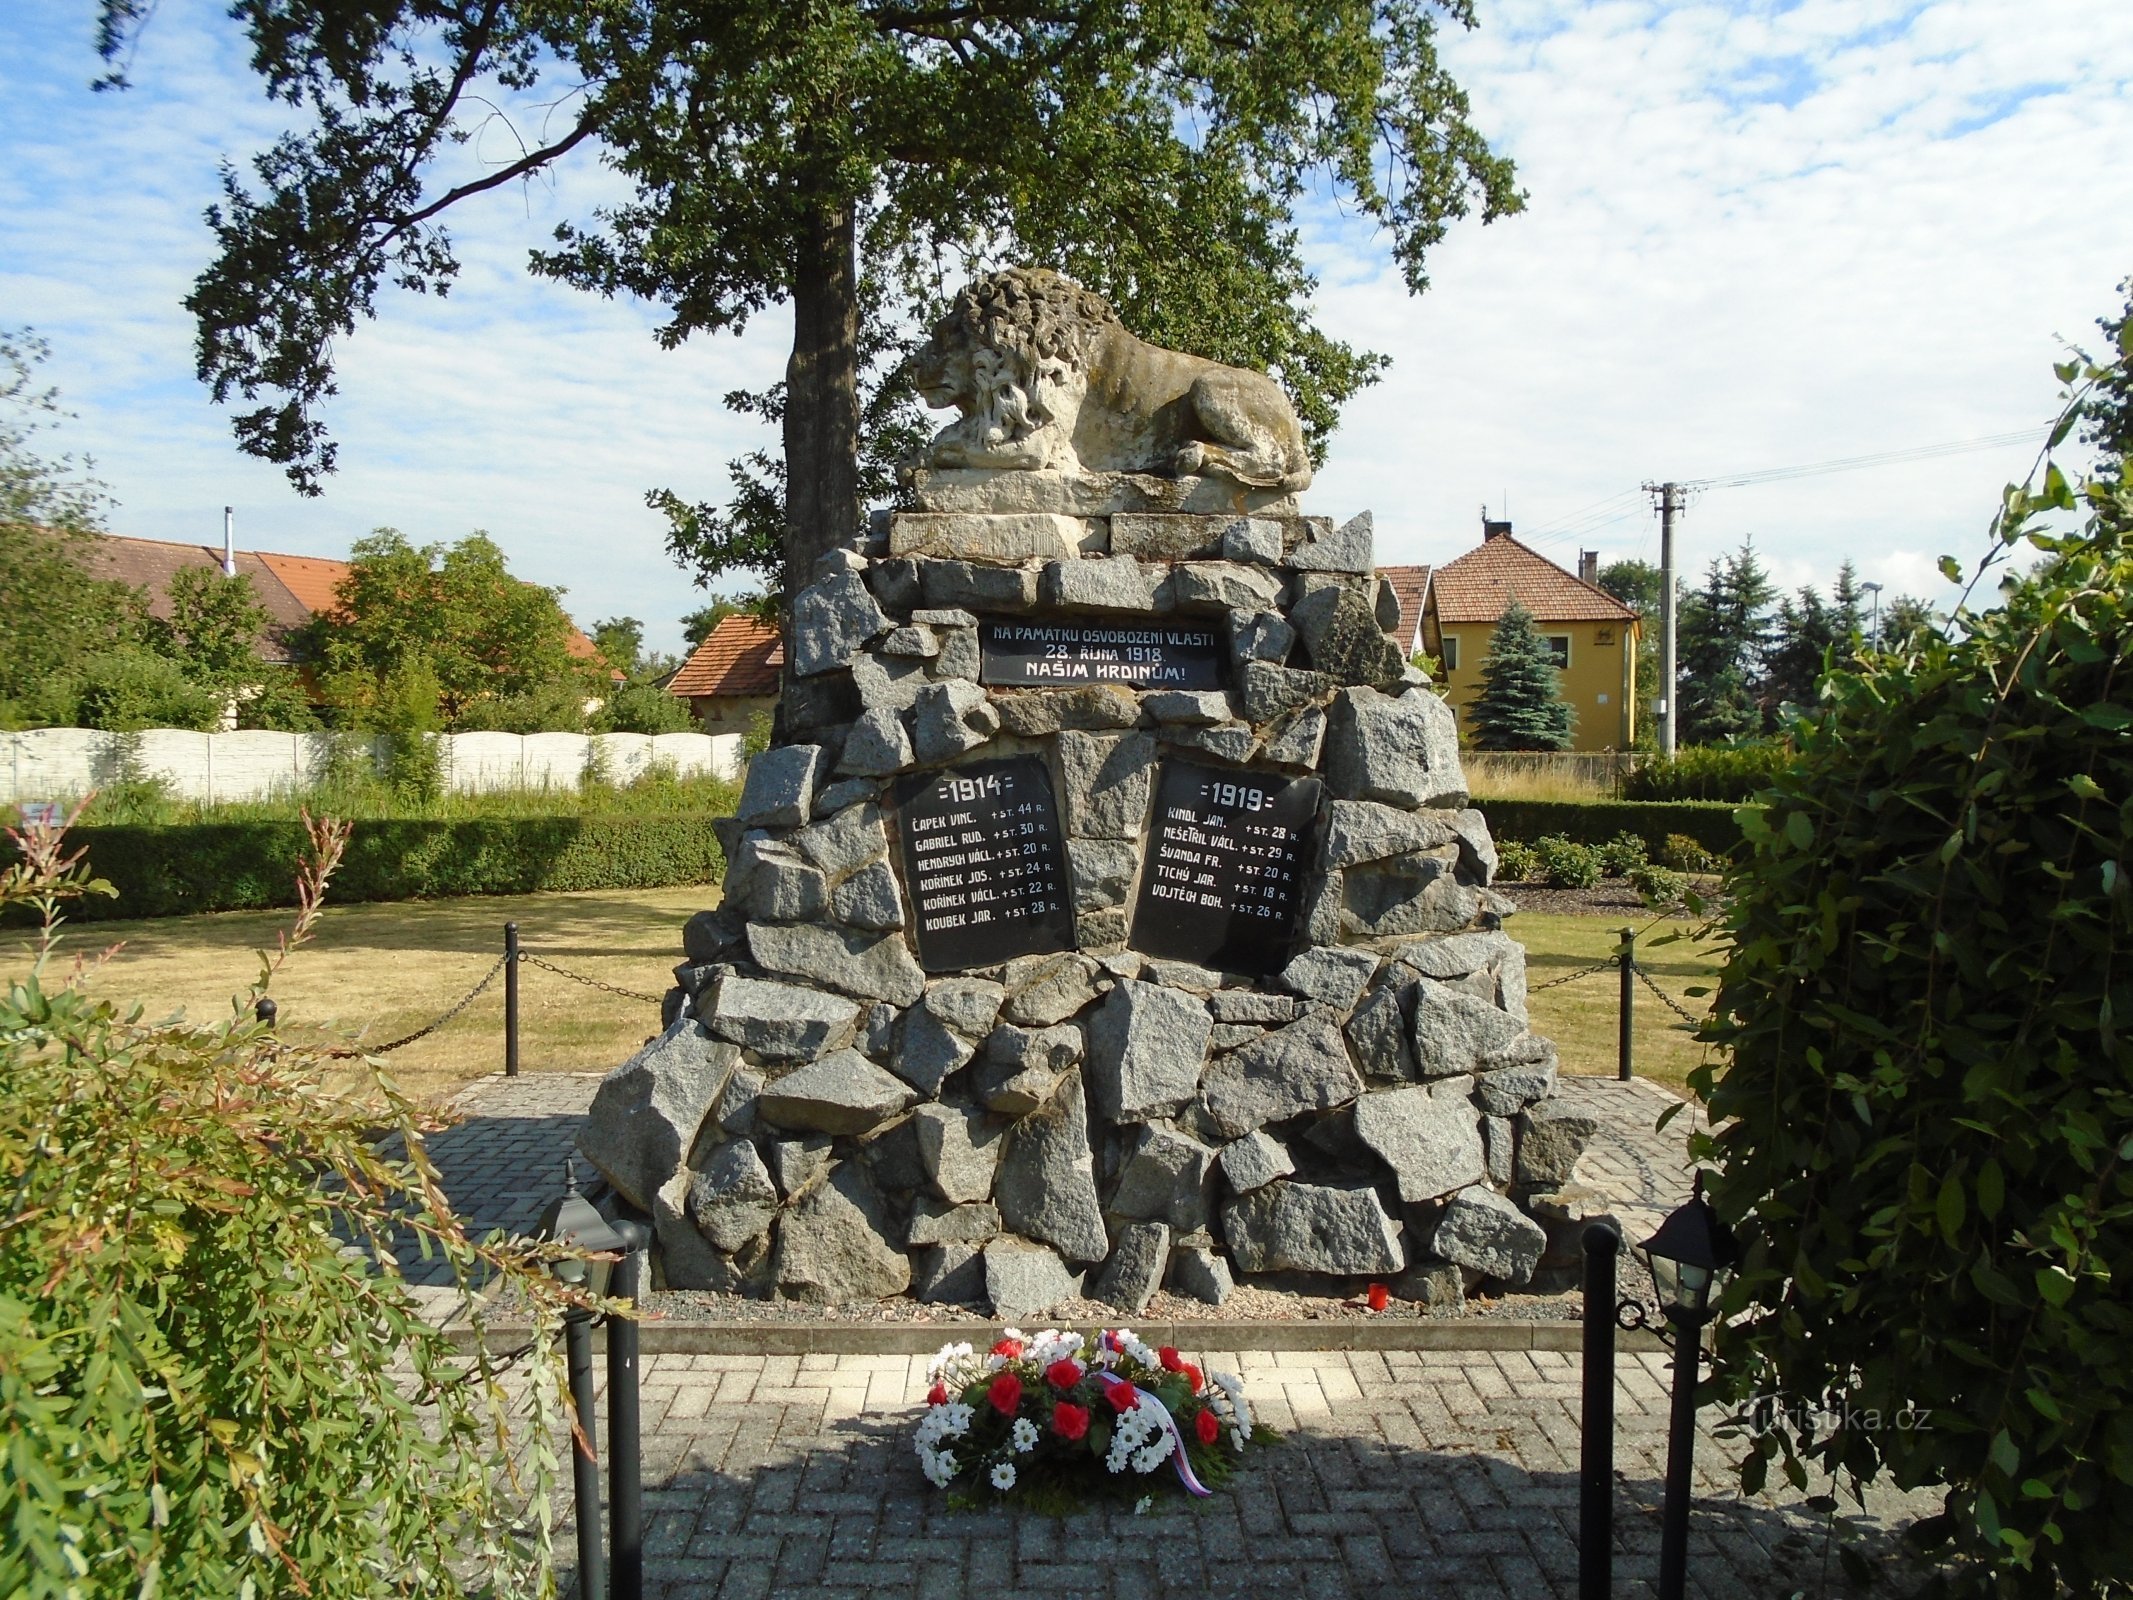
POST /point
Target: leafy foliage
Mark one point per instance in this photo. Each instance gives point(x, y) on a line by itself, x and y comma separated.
point(203, 1389)
point(1713, 828)
point(1516, 861)
point(1521, 704)
point(1708, 772)
point(846, 156)
point(1657, 886)
point(1566, 864)
point(1926, 1089)
point(423, 635)
point(1623, 854)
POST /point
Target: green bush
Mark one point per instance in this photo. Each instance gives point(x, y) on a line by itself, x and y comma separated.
point(1567, 864)
point(1623, 854)
point(178, 870)
point(1659, 887)
point(1732, 772)
point(204, 1390)
point(1681, 853)
point(1924, 1102)
point(1715, 828)
point(1515, 861)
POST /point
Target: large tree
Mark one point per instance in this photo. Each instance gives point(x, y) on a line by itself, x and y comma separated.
point(1725, 645)
point(851, 157)
point(1640, 586)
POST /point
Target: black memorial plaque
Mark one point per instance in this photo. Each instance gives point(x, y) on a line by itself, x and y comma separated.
point(1035, 653)
point(985, 867)
point(1224, 869)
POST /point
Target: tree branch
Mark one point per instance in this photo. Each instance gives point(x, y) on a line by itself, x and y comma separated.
point(586, 126)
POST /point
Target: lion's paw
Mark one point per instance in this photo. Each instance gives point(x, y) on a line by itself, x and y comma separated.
point(1192, 457)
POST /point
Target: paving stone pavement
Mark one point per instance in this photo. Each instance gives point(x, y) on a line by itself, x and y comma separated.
point(1432, 1473)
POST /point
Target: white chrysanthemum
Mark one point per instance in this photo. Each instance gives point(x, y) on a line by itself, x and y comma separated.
point(957, 1418)
point(1025, 1436)
point(995, 1363)
point(1140, 1506)
point(938, 1465)
point(946, 1357)
point(1003, 1476)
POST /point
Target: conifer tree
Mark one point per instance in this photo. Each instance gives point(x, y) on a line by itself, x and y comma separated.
point(1521, 705)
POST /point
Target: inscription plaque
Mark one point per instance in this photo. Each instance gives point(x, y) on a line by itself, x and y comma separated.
point(1035, 653)
point(1223, 874)
point(985, 867)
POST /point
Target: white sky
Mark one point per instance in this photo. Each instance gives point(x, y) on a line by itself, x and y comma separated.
point(1756, 236)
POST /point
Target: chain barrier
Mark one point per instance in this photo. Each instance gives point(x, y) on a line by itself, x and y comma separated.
point(1609, 965)
point(424, 1032)
point(1666, 999)
point(533, 960)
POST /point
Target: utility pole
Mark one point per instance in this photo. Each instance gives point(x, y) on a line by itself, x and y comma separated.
point(1669, 673)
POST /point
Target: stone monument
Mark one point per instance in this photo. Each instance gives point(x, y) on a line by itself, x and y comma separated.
point(1114, 917)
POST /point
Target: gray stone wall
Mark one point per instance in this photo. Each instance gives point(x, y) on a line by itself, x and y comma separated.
point(825, 1120)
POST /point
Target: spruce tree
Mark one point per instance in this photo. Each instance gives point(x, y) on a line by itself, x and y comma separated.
point(1521, 705)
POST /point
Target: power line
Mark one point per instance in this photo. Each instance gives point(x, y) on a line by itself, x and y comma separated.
point(1881, 458)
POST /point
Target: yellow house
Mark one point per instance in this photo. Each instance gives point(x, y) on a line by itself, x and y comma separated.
point(1594, 635)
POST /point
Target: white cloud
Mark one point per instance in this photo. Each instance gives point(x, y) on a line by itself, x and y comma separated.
point(1756, 237)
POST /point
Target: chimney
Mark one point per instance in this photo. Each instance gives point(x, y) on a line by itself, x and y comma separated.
point(229, 542)
point(1589, 566)
point(1495, 530)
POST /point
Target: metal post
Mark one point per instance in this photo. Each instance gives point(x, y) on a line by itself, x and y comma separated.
point(510, 999)
point(1596, 1428)
point(625, 1473)
point(1680, 1457)
point(266, 1010)
point(1623, 1042)
point(584, 1454)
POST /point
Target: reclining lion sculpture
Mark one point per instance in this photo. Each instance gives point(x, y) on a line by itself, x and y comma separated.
point(1049, 380)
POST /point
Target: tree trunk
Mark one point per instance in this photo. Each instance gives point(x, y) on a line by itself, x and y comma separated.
point(822, 507)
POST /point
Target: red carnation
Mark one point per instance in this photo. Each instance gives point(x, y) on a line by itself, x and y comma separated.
point(1378, 1296)
point(1005, 1394)
point(1123, 1396)
point(1192, 1376)
point(937, 1395)
point(1009, 1348)
point(1206, 1427)
point(1070, 1421)
point(1063, 1374)
point(1171, 1360)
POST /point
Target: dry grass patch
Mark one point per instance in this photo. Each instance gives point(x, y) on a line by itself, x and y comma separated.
point(378, 971)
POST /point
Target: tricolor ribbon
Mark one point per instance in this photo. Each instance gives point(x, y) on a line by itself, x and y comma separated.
point(1177, 1440)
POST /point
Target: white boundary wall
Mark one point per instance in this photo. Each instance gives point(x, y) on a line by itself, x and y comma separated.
point(65, 763)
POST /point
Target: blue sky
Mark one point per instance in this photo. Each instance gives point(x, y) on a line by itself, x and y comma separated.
point(1756, 236)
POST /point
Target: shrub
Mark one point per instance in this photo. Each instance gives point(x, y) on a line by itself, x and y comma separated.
point(180, 869)
point(1924, 1105)
point(1658, 887)
point(1715, 827)
point(1515, 861)
point(1623, 854)
point(1733, 772)
point(203, 1389)
point(1683, 854)
point(1567, 864)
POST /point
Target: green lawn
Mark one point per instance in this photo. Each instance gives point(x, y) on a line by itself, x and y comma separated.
point(381, 970)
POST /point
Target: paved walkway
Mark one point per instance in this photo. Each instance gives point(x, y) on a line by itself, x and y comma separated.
point(1430, 1473)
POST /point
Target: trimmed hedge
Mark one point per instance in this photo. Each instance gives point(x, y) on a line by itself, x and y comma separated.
point(1596, 822)
point(183, 868)
point(1729, 772)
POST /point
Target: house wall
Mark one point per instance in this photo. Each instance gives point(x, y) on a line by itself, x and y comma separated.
point(1599, 682)
point(730, 713)
point(66, 763)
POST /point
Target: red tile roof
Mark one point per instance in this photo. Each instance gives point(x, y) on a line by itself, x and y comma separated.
point(742, 655)
point(1481, 584)
point(1409, 585)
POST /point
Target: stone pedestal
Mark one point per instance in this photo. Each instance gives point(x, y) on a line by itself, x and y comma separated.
point(1116, 916)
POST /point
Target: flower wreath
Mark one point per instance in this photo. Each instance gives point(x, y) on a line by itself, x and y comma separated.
point(1039, 1417)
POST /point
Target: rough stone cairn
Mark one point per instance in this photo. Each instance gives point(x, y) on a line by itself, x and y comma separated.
point(826, 1120)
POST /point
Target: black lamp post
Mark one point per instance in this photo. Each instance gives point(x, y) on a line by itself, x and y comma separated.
point(575, 1221)
point(1690, 1258)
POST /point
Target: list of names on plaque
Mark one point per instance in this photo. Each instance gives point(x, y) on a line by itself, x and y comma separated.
point(985, 866)
point(1223, 876)
point(1036, 653)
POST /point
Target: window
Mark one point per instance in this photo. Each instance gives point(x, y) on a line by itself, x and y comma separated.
point(1559, 647)
point(1451, 652)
